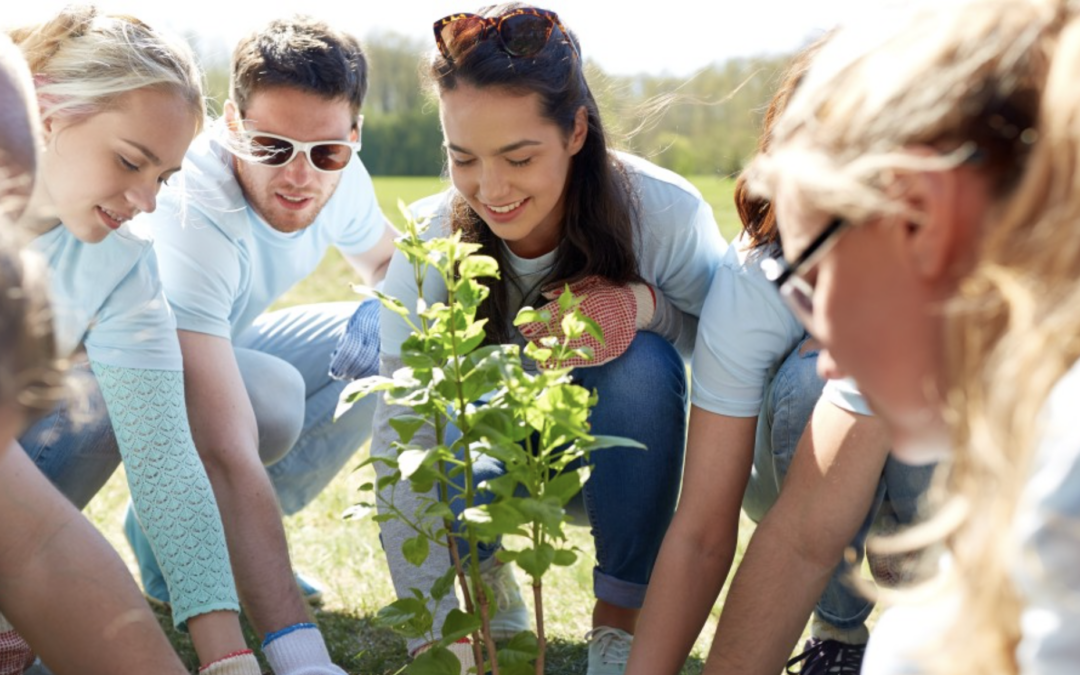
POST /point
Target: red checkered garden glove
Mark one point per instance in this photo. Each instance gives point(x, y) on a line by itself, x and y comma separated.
point(621, 310)
point(15, 654)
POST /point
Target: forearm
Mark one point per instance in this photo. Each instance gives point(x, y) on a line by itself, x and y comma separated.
point(257, 543)
point(769, 602)
point(826, 495)
point(65, 589)
point(685, 584)
point(696, 555)
point(401, 498)
point(169, 487)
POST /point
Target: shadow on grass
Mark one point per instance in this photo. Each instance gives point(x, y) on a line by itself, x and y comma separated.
point(361, 647)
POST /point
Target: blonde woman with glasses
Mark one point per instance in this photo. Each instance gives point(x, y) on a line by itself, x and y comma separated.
point(925, 176)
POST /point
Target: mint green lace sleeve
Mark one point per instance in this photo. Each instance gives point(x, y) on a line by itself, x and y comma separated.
point(169, 487)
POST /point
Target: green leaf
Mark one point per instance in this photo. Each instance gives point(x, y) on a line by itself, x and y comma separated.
point(434, 661)
point(547, 511)
point(410, 462)
point(573, 326)
point(564, 486)
point(566, 299)
point(536, 561)
point(457, 625)
point(564, 558)
point(478, 266)
point(415, 549)
point(408, 616)
point(530, 315)
point(407, 425)
point(444, 585)
point(523, 648)
point(599, 442)
point(593, 329)
point(537, 353)
point(393, 304)
point(358, 389)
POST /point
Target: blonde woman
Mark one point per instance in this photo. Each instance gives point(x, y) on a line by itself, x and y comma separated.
point(119, 105)
point(925, 177)
point(68, 591)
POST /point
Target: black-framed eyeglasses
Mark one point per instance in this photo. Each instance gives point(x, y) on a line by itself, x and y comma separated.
point(521, 32)
point(796, 292)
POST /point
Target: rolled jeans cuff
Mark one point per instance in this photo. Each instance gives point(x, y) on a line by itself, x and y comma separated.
point(626, 594)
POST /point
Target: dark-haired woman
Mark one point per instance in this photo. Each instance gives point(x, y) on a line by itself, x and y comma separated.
point(535, 183)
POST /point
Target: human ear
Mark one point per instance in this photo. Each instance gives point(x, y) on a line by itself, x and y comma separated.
point(936, 232)
point(580, 131)
point(232, 115)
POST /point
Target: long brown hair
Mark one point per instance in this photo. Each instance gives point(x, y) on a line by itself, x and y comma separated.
point(599, 225)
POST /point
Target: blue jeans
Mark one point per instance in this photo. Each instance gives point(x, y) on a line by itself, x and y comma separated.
point(790, 398)
point(629, 499)
point(284, 360)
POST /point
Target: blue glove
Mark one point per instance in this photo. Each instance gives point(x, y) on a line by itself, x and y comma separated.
point(357, 352)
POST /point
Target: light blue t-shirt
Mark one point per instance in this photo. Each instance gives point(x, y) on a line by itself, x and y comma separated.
point(678, 248)
point(108, 296)
point(222, 265)
point(746, 330)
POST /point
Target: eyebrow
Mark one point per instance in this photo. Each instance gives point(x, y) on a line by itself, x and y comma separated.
point(501, 151)
point(144, 150)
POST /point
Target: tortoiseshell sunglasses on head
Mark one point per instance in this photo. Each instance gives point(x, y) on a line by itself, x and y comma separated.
point(521, 32)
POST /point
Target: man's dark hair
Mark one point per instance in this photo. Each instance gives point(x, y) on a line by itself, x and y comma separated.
point(302, 53)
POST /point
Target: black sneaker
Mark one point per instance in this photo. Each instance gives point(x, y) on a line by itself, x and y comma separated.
point(828, 657)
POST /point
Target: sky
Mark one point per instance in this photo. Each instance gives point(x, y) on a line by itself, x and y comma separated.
point(685, 36)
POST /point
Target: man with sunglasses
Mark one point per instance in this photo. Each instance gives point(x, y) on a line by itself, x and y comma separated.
point(265, 192)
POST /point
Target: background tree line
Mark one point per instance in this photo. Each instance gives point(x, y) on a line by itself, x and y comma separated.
point(704, 124)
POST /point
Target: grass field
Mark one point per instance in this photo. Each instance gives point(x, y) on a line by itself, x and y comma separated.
point(345, 555)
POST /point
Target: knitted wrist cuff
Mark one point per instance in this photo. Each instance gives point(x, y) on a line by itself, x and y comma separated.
point(645, 298)
point(238, 663)
point(299, 650)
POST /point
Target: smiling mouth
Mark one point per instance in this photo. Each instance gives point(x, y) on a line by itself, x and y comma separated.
point(114, 219)
point(505, 209)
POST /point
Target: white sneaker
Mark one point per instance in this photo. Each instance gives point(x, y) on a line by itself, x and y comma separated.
point(511, 616)
point(609, 650)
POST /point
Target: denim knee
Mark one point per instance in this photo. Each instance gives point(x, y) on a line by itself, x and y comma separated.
point(276, 390)
point(790, 400)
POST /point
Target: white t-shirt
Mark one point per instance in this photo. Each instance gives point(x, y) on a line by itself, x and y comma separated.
point(108, 296)
point(222, 265)
point(1047, 531)
point(678, 249)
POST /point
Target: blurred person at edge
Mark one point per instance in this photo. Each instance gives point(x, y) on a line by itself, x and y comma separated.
point(930, 156)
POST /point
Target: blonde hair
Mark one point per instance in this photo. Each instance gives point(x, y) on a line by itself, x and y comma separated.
point(991, 81)
point(84, 62)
